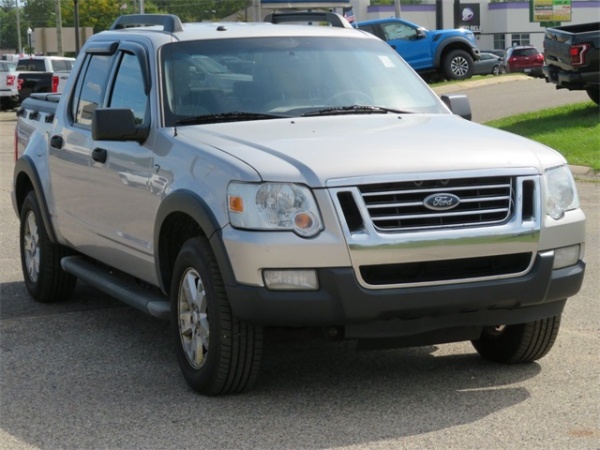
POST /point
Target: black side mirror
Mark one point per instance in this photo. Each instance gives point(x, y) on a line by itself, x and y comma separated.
point(112, 124)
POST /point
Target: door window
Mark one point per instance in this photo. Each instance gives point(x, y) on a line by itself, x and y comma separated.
point(128, 90)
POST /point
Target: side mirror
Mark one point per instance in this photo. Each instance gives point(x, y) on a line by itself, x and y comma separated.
point(420, 33)
point(458, 104)
point(110, 124)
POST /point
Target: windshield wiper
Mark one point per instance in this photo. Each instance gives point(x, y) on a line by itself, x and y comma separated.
point(354, 109)
point(235, 116)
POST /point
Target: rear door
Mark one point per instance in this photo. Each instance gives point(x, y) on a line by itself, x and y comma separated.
point(70, 151)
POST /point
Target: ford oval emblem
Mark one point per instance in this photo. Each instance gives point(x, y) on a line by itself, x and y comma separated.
point(441, 202)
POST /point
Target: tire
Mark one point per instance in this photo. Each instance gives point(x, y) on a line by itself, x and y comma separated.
point(496, 70)
point(44, 277)
point(217, 353)
point(458, 65)
point(522, 343)
point(594, 95)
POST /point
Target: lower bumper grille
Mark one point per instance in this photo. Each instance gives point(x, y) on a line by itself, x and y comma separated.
point(455, 269)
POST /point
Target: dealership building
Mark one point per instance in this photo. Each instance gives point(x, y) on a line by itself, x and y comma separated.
point(497, 25)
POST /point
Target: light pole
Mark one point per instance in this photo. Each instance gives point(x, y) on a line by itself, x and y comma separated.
point(29, 31)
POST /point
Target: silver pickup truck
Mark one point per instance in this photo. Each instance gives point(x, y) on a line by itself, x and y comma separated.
point(233, 177)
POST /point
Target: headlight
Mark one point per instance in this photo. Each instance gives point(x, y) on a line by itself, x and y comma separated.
point(273, 206)
point(561, 194)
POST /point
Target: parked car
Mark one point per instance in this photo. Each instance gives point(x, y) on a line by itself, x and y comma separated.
point(498, 52)
point(525, 59)
point(447, 53)
point(40, 74)
point(333, 192)
point(572, 58)
point(9, 97)
point(488, 64)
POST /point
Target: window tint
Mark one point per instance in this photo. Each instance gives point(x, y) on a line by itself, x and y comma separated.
point(90, 89)
point(368, 29)
point(128, 91)
point(525, 52)
point(59, 64)
point(396, 30)
point(31, 65)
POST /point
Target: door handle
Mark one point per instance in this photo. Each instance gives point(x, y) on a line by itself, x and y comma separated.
point(57, 141)
point(99, 155)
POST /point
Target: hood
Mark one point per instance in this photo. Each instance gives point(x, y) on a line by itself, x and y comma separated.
point(317, 150)
point(453, 32)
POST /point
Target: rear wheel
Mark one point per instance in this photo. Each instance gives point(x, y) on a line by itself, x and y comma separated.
point(44, 277)
point(594, 94)
point(458, 65)
point(217, 353)
point(520, 343)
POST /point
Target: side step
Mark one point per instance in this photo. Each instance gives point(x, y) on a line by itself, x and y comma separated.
point(136, 296)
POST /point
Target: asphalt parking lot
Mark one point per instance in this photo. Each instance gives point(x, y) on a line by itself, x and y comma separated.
point(95, 374)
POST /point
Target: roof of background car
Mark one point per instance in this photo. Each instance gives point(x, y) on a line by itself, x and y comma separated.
point(230, 30)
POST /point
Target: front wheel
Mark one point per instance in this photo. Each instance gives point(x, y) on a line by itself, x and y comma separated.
point(496, 70)
point(594, 94)
point(458, 65)
point(522, 343)
point(44, 277)
point(217, 353)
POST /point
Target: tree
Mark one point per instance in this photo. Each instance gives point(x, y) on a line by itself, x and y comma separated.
point(38, 14)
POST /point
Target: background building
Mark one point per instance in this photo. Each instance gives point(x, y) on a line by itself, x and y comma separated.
point(497, 25)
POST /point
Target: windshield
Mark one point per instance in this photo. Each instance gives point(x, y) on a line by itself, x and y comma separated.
point(287, 77)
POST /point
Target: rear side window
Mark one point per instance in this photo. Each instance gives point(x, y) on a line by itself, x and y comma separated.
point(59, 64)
point(90, 89)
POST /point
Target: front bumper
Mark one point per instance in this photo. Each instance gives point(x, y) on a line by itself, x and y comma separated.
point(366, 313)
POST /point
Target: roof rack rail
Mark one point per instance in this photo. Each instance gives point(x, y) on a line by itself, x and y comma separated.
point(170, 22)
point(333, 19)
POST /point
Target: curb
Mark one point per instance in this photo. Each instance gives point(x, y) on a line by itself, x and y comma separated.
point(453, 87)
point(584, 173)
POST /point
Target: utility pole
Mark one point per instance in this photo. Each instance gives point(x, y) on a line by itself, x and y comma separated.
point(58, 16)
point(76, 20)
point(19, 43)
point(397, 8)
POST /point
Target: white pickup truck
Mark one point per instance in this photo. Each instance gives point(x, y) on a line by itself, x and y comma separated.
point(38, 74)
point(9, 96)
point(313, 181)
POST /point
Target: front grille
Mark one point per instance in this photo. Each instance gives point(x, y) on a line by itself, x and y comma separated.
point(401, 206)
point(449, 270)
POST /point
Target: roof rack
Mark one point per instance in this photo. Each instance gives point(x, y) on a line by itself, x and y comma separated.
point(169, 22)
point(333, 19)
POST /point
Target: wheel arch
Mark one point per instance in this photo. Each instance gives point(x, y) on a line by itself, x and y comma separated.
point(181, 216)
point(26, 179)
point(450, 44)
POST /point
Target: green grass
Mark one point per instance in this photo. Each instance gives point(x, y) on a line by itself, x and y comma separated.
point(573, 130)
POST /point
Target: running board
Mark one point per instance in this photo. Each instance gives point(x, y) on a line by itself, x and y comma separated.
point(136, 296)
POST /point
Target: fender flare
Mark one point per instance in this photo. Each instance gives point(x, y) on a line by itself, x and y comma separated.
point(25, 166)
point(462, 44)
point(191, 204)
